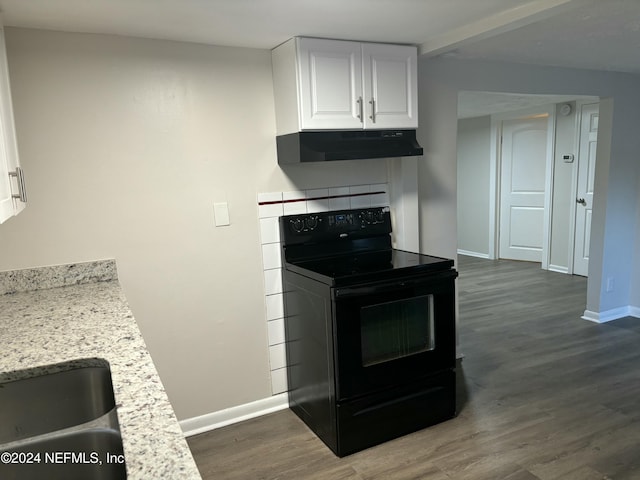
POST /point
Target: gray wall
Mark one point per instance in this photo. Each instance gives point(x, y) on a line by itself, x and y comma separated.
point(126, 144)
point(614, 249)
point(474, 158)
point(562, 202)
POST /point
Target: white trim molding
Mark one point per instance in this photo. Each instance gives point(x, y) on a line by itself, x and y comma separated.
point(610, 315)
point(473, 254)
point(228, 416)
point(558, 268)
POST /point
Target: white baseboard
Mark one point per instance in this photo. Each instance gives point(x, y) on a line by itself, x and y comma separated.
point(473, 254)
point(558, 268)
point(613, 314)
point(222, 418)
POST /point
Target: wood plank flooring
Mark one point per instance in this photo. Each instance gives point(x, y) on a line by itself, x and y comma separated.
point(542, 394)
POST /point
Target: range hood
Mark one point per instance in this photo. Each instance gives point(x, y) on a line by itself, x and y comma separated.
point(332, 145)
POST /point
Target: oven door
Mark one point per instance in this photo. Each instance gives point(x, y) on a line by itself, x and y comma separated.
point(393, 333)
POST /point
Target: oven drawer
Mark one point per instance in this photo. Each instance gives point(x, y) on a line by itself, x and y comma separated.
point(377, 418)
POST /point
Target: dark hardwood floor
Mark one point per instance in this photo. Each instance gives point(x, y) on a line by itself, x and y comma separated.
point(542, 394)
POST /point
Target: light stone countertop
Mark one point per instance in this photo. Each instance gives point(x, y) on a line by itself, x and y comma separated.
point(43, 324)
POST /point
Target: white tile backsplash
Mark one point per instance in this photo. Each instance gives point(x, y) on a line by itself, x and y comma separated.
point(363, 201)
point(380, 199)
point(296, 207)
point(277, 356)
point(279, 381)
point(269, 197)
point(273, 281)
point(275, 306)
point(269, 230)
point(274, 210)
point(271, 210)
point(271, 253)
point(275, 331)
point(317, 200)
point(271, 256)
point(342, 203)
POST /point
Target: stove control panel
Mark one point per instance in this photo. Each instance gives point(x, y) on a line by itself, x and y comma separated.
point(343, 222)
point(306, 223)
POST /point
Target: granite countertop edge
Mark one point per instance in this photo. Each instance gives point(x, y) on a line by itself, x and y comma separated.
point(63, 317)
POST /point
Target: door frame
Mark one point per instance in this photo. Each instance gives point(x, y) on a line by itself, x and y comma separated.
point(574, 179)
point(495, 171)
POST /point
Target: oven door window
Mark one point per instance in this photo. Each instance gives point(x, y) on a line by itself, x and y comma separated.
point(396, 329)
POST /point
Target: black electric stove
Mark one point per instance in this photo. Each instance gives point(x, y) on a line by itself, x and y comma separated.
point(370, 330)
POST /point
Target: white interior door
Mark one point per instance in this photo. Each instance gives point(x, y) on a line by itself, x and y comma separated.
point(522, 188)
point(584, 197)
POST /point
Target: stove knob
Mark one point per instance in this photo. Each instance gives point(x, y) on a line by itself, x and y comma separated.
point(369, 217)
point(379, 216)
point(312, 223)
point(297, 225)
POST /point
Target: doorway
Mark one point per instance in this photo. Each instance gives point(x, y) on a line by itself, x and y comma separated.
point(542, 230)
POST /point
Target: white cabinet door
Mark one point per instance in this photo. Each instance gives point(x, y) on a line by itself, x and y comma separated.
point(7, 209)
point(330, 84)
point(390, 86)
point(9, 162)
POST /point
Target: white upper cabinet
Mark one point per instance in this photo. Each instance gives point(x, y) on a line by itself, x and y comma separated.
point(12, 191)
point(330, 84)
point(340, 85)
point(391, 86)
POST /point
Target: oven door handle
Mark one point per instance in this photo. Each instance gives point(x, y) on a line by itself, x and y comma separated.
point(394, 285)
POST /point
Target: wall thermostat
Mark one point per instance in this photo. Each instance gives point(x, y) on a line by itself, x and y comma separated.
point(567, 158)
point(565, 109)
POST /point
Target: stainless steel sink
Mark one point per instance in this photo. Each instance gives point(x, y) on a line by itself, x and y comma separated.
point(60, 425)
point(87, 454)
point(45, 403)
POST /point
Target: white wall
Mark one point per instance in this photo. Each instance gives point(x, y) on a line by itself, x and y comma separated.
point(473, 179)
point(615, 215)
point(126, 144)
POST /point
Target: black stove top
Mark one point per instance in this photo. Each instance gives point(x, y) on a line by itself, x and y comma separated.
point(350, 247)
point(369, 267)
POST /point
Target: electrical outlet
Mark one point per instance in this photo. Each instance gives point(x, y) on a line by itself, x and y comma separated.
point(610, 284)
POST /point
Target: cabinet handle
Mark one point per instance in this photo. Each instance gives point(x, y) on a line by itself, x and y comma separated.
point(359, 102)
point(372, 102)
point(22, 190)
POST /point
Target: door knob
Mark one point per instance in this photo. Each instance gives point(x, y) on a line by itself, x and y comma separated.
point(581, 201)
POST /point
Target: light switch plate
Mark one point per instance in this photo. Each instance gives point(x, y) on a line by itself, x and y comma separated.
point(221, 214)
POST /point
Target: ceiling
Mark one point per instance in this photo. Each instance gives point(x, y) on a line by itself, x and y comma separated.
point(477, 104)
point(594, 34)
point(257, 23)
point(598, 34)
